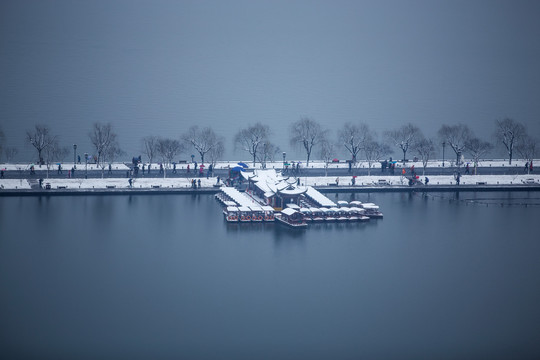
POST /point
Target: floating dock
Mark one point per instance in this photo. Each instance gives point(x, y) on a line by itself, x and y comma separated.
point(269, 196)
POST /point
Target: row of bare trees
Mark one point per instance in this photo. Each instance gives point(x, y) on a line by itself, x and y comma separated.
point(357, 139)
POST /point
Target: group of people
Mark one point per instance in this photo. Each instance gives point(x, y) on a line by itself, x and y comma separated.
point(529, 166)
point(196, 183)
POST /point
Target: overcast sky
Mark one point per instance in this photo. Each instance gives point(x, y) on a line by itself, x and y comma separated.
point(157, 67)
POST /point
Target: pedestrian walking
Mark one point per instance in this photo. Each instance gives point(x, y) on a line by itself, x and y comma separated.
point(174, 168)
point(59, 169)
point(337, 181)
point(199, 183)
point(426, 181)
point(467, 169)
point(110, 168)
point(188, 169)
point(2, 174)
point(130, 182)
point(160, 168)
point(526, 166)
point(211, 170)
point(531, 166)
point(78, 159)
point(143, 165)
point(217, 182)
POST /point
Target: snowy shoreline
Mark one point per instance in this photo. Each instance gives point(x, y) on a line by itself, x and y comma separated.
point(375, 181)
point(314, 164)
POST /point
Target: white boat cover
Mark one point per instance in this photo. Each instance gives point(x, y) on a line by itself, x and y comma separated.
point(288, 211)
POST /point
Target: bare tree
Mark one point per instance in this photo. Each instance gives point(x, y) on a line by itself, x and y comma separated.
point(150, 148)
point(374, 151)
point(405, 137)
point(202, 140)
point(425, 150)
point(306, 133)
point(250, 139)
point(509, 132)
point(477, 148)
point(216, 153)
point(266, 153)
point(326, 153)
point(108, 156)
point(2, 142)
point(103, 137)
point(353, 137)
point(526, 148)
point(168, 149)
point(10, 153)
point(40, 138)
point(53, 153)
point(456, 136)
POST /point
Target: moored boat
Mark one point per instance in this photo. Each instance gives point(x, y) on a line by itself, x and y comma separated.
point(292, 218)
point(231, 213)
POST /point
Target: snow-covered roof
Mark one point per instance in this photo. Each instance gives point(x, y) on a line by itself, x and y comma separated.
point(267, 208)
point(342, 202)
point(319, 198)
point(240, 198)
point(244, 209)
point(288, 211)
point(355, 203)
point(232, 208)
point(370, 206)
point(292, 206)
point(293, 190)
point(305, 210)
point(255, 208)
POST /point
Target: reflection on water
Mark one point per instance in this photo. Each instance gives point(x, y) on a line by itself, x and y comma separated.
point(167, 272)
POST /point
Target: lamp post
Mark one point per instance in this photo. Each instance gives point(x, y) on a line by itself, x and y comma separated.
point(284, 156)
point(74, 156)
point(86, 165)
point(443, 145)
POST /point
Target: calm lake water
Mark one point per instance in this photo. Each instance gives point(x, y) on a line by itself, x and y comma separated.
point(162, 276)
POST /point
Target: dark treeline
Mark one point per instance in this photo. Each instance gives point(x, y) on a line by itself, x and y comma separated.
point(358, 140)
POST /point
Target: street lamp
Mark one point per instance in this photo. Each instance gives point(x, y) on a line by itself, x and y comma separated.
point(86, 165)
point(74, 156)
point(443, 145)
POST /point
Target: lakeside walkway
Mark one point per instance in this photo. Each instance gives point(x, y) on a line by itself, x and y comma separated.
point(324, 184)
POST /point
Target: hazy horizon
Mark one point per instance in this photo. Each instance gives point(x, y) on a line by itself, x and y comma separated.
point(158, 67)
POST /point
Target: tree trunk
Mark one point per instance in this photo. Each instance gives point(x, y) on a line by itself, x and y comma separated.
point(510, 158)
point(308, 155)
point(254, 158)
point(404, 153)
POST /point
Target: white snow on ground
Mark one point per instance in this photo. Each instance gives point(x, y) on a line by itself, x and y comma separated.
point(145, 183)
point(122, 183)
point(14, 184)
point(433, 180)
point(65, 167)
point(518, 164)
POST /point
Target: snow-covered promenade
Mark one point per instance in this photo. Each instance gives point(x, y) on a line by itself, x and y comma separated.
point(363, 183)
point(182, 181)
